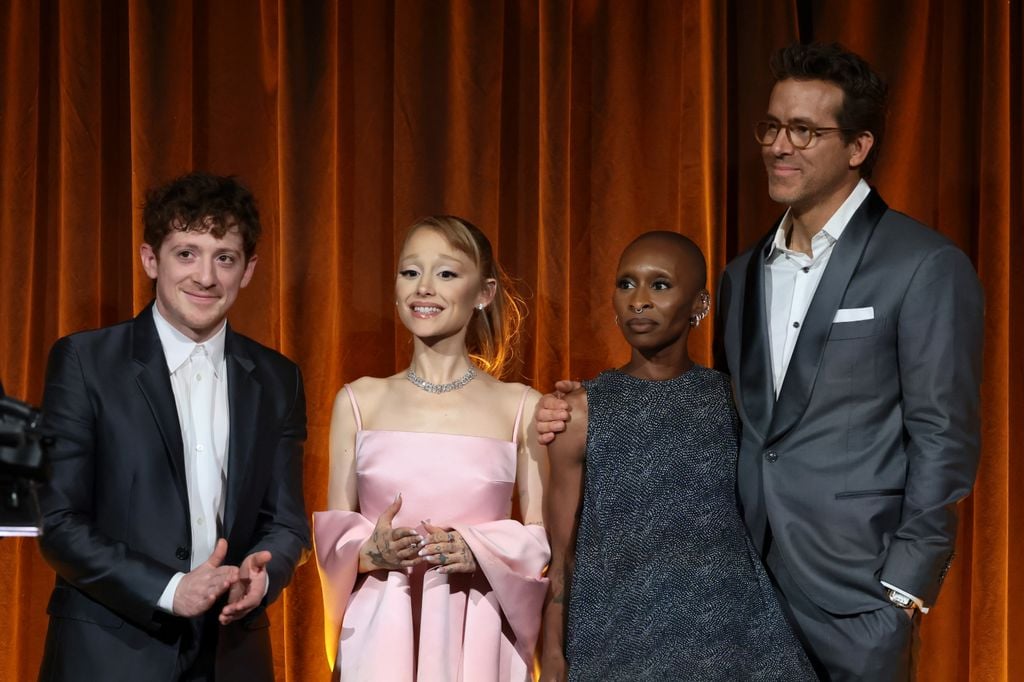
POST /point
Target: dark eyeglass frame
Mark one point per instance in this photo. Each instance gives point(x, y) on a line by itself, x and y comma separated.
point(813, 132)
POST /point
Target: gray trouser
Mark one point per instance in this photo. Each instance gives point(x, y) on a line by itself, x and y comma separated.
point(875, 646)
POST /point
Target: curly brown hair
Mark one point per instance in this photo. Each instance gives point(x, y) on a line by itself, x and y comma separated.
point(201, 202)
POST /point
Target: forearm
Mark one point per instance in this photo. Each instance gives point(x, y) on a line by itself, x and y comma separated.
point(940, 345)
point(556, 607)
point(108, 571)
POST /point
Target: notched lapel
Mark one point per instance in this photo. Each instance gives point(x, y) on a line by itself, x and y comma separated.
point(154, 382)
point(244, 392)
point(757, 392)
point(806, 360)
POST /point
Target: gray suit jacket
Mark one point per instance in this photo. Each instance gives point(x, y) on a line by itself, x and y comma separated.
point(116, 515)
point(859, 463)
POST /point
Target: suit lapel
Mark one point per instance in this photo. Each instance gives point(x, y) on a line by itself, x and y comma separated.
point(806, 360)
point(154, 382)
point(756, 385)
point(244, 402)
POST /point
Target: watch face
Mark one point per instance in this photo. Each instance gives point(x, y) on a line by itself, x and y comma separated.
point(899, 600)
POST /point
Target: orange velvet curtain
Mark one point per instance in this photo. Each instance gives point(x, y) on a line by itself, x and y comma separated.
point(563, 128)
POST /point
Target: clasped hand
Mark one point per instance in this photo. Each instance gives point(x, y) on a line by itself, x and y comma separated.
point(390, 548)
point(202, 586)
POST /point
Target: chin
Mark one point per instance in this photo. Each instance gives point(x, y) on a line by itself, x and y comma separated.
point(781, 194)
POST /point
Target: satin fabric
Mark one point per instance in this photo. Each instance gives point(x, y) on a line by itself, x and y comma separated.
point(419, 624)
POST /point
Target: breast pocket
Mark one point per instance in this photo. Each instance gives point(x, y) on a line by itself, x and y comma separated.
point(855, 330)
point(850, 352)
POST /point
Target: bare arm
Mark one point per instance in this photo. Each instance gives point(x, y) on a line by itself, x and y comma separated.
point(387, 548)
point(531, 466)
point(561, 512)
point(341, 480)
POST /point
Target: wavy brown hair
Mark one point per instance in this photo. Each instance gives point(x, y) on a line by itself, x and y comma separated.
point(493, 331)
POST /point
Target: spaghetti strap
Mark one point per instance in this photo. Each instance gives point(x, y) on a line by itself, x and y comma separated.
point(519, 416)
point(355, 407)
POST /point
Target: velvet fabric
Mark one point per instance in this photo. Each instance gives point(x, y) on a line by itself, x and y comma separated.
point(563, 128)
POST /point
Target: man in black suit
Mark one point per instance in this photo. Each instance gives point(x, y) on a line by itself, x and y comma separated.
point(174, 513)
point(853, 335)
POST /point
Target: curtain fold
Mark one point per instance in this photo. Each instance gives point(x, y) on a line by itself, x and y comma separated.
point(562, 128)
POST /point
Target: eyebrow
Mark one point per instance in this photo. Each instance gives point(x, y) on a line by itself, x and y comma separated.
point(193, 246)
point(444, 256)
point(648, 271)
point(798, 119)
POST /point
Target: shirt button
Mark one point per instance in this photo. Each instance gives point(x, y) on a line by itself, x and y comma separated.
point(796, 325)
point(806, 269)
point(199, 448)
point(771, 455)
point(199, 377)
point(199, 520)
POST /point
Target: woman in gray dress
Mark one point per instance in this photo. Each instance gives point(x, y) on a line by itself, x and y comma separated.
point(653, 576)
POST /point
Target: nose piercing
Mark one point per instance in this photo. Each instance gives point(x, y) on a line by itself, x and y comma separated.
point(638, 308)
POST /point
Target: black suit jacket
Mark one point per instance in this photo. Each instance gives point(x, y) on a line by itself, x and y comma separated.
point(116, 515)
point(859, 463)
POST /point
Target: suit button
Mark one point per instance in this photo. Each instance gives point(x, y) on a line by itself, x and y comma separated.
point(181, 553)
point(771, 455)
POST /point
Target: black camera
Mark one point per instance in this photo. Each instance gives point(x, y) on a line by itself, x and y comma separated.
point(24, 446)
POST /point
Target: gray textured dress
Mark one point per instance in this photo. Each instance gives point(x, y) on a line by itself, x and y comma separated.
point(667, 585)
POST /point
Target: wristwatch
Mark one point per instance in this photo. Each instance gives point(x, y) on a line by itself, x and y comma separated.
point(900, 600)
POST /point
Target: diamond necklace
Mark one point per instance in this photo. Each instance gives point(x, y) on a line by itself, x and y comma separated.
point(440, 388)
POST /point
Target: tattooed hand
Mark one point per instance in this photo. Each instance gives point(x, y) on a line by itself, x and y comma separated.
point(390, 548)
point(447, 550)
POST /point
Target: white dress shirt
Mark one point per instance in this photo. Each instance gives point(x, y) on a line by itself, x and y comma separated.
point(203, 416)
point(791, 279)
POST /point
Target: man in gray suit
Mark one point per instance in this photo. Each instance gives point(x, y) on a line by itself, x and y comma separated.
point(853, 335)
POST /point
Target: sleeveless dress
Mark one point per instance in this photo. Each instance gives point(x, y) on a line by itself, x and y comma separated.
point(667, 585)
point(418, 624)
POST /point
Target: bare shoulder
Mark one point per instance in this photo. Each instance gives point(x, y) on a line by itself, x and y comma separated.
point(368, 385)
point(515, 390)
point(509, 393)
point(369, 392)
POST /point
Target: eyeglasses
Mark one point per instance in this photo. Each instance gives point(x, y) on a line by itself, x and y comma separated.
point(800, 135)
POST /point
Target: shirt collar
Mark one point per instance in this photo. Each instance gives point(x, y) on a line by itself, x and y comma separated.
point(178, 347)
point(833, 228)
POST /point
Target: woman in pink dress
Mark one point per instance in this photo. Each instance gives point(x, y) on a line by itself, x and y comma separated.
point(432, 553)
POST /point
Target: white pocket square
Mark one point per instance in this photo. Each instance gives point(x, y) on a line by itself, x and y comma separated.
point(854, 314)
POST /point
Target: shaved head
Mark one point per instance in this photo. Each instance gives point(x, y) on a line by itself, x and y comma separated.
point(682, 249)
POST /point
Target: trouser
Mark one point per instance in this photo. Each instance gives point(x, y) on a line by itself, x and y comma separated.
point(874, 646)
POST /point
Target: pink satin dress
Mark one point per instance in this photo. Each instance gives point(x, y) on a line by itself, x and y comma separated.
point(418, 624)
